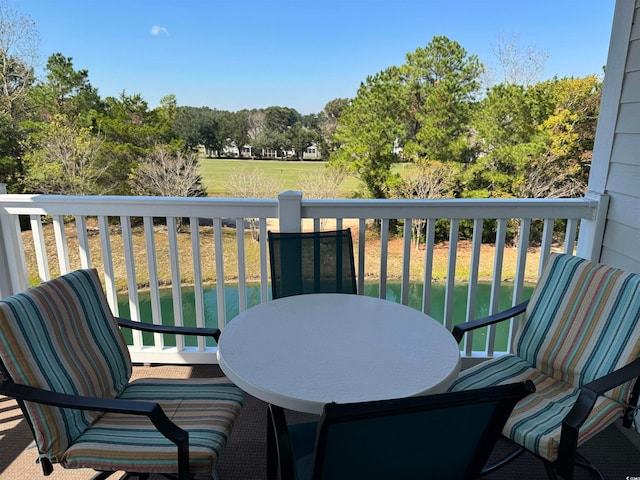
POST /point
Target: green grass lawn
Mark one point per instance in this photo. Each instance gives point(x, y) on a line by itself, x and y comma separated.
point(216, 171)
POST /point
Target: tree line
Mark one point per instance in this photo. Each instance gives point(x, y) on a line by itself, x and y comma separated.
point(514, 138)
point(508, 140)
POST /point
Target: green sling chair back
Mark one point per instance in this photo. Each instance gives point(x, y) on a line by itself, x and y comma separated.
point(311, 262)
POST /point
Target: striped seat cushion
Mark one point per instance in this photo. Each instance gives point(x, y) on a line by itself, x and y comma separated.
point(206, 408)
point(61, 336)
point(582, 322)
point(536, 421)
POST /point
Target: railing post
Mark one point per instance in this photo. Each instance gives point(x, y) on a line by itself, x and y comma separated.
point(13, 278)
point(289, 210)
point(5, 281)
point(592, 229)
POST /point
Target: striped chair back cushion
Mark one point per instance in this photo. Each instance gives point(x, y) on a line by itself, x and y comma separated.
point(583, 321)
point(61, 336)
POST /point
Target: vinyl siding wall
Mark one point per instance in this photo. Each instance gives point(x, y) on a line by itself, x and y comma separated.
point(616, 169)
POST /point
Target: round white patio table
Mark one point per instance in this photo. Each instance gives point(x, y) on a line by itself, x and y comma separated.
point(304, 351)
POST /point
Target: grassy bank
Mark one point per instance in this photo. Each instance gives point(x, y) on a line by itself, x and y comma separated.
point(372, 262)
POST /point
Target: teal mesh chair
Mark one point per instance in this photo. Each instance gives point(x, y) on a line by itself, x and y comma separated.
point(440, 437)
point(65, 361)
point(311, 262)
point(578, 342)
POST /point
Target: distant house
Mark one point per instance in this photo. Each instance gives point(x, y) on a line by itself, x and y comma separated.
point(270, 153)
point(312, 153)
point(246, 151)
point(230, 150)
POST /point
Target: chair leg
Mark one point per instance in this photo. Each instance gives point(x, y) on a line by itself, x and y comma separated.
point(508, 458)
point(136, 476)
point(272, 455)
point(551, 472)
point(583, 462)
point(102, 475)
point(580, 461)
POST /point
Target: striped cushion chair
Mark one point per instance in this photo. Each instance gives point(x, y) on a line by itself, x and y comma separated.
point(60, 346)
point(579, 342)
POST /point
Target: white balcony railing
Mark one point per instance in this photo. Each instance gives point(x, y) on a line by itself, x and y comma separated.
point(78, 232)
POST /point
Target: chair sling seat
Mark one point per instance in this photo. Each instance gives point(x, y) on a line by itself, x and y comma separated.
point(536, 421)
point(205, 408)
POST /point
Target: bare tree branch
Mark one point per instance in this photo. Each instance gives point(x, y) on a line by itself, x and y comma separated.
point(519, 66)
point(165, 173)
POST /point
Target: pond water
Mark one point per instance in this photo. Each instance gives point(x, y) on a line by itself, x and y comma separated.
point(371, 289)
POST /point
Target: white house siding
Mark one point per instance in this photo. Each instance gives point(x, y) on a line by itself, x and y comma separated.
point(616, 164)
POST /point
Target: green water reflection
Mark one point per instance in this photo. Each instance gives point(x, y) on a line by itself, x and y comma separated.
point(371, 289)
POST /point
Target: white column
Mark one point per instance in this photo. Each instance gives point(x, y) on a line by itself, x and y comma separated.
point(5, 281)
point(592, 230)
point(13, 277)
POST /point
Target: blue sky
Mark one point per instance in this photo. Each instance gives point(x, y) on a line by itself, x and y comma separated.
point(234, 54)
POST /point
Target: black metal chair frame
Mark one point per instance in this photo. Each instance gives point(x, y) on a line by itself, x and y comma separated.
point(292, 270)
point(153, 411)
point(280, 455)
point(568, 457)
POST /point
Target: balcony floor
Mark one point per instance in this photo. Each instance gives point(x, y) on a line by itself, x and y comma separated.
point(616, 451)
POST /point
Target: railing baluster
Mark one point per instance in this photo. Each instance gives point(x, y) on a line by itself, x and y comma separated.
point(61, 244)
point(472, 292)
point(406, 261)
point(219, 254)
point(362, 237)
point(154, 294)
point(83, 241)
point(496, 281)
point(547, 240)
point(176, 282)
point(242, 268)
point(518, 281)
point(264, 255)
point(107, 263)
point(523, 250)
point(428, 265)
point(570, 235)
point(451, 273)
point(198, 287)
point(40, 247)
point(384, 252)
point(132, 282)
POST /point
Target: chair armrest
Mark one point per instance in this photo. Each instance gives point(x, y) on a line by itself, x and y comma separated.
point(460, 329)
point(152, 327)
point(283, 452)
point(585, 402)
point(115, 405)
point(590, 392)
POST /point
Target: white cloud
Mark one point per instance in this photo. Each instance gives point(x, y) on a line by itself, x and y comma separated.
point(156, 30)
